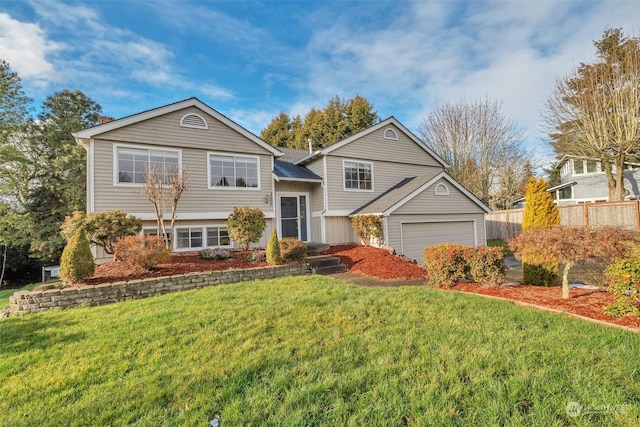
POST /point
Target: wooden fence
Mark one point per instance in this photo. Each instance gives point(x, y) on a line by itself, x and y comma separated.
point(508, 224)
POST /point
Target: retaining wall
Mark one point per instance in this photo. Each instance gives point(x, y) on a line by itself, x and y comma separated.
point(24, 302)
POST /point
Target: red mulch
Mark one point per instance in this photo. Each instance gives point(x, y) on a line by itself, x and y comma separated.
point(583, 302)
point(179, 264)
point(375, 262)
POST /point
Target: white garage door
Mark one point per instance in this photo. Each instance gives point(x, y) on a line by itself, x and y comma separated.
point(417, 235)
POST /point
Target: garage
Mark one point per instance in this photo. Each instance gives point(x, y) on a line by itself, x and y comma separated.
point(416, 235)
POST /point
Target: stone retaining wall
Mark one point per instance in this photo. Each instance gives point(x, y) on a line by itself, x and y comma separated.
point(24, 302)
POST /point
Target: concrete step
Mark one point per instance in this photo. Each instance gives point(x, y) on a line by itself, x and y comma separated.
point(314, 249)
point(322, 260)
point(330, 269)
point(325, 264)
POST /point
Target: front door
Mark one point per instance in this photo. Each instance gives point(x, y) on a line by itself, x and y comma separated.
point(293, 217)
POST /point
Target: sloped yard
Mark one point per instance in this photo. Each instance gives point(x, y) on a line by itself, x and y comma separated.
point(315, 351)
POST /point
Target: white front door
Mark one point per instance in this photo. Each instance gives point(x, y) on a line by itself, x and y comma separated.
point(293, 216)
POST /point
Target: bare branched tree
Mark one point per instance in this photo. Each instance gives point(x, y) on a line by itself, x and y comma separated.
point(162, 188)
point(475, 138)
point(594, 111)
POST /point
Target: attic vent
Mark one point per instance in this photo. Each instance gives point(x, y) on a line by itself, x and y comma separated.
point(390, 134)
point(192, 120)
point(442, 190)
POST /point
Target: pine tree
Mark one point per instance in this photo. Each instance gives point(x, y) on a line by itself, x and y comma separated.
point(539, 211)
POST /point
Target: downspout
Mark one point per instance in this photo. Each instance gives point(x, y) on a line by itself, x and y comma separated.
point(325, 201)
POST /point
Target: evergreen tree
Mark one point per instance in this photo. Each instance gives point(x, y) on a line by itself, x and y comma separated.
point(279, 132)
point(539, 211)
point(58, 186)
point(338, 120)
point(76, 263)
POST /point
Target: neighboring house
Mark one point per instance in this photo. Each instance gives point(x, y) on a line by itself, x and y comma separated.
point(383, 170)
point(585, 181)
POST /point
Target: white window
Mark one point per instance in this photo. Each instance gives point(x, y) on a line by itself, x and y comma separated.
point(193, 120)
point(131, 164)
point(390, 134)
point(233, 171)
point(358, 175)
point(218, 236)
point(442, 190)
point(189, 238)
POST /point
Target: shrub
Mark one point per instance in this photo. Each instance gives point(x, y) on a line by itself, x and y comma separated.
point(486, 264)
point(218, 254)
point(624, 284)
point(445, 264)
point(102, 228)
point(258, 256)
point(77, 263)
point(273, 256)
point(367, 227)
point(246, 225)
point(142, 252)
point(539, 211)
point(293, 250)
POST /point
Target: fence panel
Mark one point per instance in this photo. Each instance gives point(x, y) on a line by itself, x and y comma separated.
point(507, 224)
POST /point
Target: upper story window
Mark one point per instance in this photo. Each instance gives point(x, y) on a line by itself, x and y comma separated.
point(358, 175)
point(390, 134)
point(193, 120)
point(442, 190)
point(585, 166)
point(230, 171)
point(132, 164)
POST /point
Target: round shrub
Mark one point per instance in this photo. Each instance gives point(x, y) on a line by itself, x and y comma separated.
point(77, 263)
point(142, 252)
point(293, 250)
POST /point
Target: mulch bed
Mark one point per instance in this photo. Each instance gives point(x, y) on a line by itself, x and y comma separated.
point(376, 262)
point(179, 264)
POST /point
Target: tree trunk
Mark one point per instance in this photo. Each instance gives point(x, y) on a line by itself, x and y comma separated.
point(619, 178)
point(4, 265)
point(611, 179)
point(565, 280)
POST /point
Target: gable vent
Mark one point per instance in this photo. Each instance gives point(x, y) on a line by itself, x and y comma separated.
point(192, 120)
point(442, 190)
point(390, 134)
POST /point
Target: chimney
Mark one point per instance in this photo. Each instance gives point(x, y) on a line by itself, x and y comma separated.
point(104, 119)
point(310, 141)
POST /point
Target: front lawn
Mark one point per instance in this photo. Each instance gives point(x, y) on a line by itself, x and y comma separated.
point(314, 351)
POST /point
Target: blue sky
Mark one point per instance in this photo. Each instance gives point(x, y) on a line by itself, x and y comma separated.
point(251, 60)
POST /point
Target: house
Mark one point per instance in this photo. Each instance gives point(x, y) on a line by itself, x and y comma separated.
point(384, 170)
point(584, 180)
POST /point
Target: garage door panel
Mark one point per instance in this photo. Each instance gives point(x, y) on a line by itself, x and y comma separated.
point(415, 236)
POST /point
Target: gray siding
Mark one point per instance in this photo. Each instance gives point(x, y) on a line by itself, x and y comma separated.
point(317, 196)
point(197, 200)
point(385, 176)
point(166, 131)
point(374, 146)
point(428, 203)
point(339, 230)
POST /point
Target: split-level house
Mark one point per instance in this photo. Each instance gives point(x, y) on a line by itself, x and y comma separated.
point(584, 180)
point(384, 170)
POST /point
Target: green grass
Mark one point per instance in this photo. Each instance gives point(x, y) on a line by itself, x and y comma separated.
point(314, 351)
point(6, 293)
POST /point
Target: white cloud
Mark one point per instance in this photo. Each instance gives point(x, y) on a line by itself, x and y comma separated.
point(26, 48)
